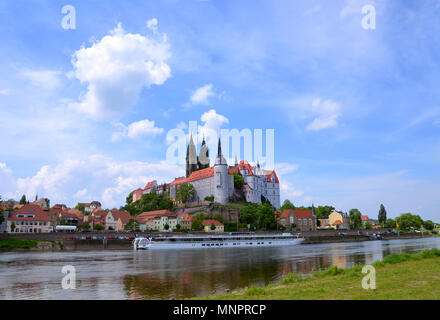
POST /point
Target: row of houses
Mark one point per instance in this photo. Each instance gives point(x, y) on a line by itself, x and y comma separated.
point(165, 220)
point(38, 217)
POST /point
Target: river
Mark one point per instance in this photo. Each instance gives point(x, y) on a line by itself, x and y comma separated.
point(179, 273)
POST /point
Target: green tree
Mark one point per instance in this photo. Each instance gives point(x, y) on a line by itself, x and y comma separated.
point(238, 180)
point(186, 193)
point(85, 226)
point(322, 212)
point(98, 227)
point(407, 221)
point(149, 202)
point(428, 225)
point(390, 223)
point(287, 205)
point(382, 216)
point(167, 226)
point(209, 198)
point(178, 227)
point(355, 219)
point(12, 226)
point(197, 225)
point(23, 200)
point(47, 202)
point(266, 217)
point(213, 227)
point(131, 225)
point(80, 207)
point(368, 225)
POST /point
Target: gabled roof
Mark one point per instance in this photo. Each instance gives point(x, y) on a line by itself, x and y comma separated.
point(297, 213)
point(365, 218)
point(210, 222)
point(185, 217)
point(196, 175)
point(337, 222)
point(150, 184)
point(31, 209)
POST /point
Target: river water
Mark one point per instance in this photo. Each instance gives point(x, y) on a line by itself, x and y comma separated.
point(179, 273)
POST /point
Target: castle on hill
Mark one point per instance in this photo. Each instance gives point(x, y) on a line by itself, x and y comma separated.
point(218, 180)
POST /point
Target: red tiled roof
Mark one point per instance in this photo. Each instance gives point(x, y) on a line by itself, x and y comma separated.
point(365, 218)
point(297, 213)
point(185, 217)
point(337, 222)
point(124, 215)
point(269, 176)
point(196, 175)
point(149, 184)
point(36, 210)
point(210, 222)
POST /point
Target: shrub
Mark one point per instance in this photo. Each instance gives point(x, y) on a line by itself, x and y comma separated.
point(255, 291)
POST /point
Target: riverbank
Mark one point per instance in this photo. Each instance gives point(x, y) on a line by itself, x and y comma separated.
point(398, 276)
point(112, 241)
point(13, 244)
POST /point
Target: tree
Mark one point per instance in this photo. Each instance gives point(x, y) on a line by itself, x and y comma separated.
point(428, 225)
point(2, 218)
point(218, 217)
point(382, 217)
point(390, 223)
point(368, 225)
point(12, 226)
point(355, 219)
point(148, 202)
point(322, 212)
point(197, 225)
point(23, 200)
point(408, 221)
point(47, 202)
point(213, 227)
point(209, 198)
point(186, 193)
point(98, 227)
point(287, 205)
point(238, 180)
point(132, 225)
point(80, 207)
point(266, 217)
point(178, 227)
point(85, 226)
point(167, 226)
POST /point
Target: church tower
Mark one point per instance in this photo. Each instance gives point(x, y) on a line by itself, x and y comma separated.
point(191, 158)
point(203, 158)
point(221, 183)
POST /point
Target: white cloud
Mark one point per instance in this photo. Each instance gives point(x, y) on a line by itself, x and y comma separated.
point(288, 191)
point(201, 95)
point(327, 113)
point(44, 79)
point(212, 123)
point(152, 24)
point(136, 129)
point(5, 92)
point(116, 68)
point(312, 10)
point(94, 177)
point(283, 168)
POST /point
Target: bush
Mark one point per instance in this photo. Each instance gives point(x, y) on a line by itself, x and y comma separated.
point(255, 291)
point(209, 198)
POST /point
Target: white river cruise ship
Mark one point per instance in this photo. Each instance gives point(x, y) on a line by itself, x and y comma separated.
point(216, 241)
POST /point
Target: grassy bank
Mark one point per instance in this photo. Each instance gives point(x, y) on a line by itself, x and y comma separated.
point(398, 276)
point(13, 243)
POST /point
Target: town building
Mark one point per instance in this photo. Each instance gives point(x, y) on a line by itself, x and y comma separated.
point(365, 219)
point(157, 220)
point(338, 220)
point(296, 219)
point(29, 218)
point(185, 220)
point(207, 225)
point(218, 180)
point(43, 203)
point(89, 207)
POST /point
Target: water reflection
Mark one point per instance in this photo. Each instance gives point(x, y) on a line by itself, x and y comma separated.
point(181, 273)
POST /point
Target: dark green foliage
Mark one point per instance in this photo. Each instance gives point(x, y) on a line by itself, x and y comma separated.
point(322, 212)
point(98, 227)
point(355, 219)
point(287, 205)
point(259, 215)
point(213, 227)
point(428, 225)
point(407, 221)
point(186, 193)
point(218, 217)
point(23, 200)
point(85, 226)
point(382, 217)
point(80, 207)
point(209, 198)
point(149, 202)
point(230, 226)
point(390, 223)
point(238, 181)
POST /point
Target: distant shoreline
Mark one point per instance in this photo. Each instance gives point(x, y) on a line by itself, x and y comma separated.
point(56, 242)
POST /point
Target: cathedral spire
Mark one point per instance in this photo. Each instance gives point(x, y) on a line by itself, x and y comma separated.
point(220, 160)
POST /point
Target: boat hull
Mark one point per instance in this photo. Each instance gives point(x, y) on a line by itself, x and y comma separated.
point(224, 244)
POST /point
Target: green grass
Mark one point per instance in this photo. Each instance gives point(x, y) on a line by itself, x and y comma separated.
point(13, 243)
point(398, 276)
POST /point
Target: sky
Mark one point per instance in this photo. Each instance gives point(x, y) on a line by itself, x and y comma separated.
point(85, 112)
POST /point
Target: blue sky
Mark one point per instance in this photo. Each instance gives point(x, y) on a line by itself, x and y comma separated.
point(84, 113)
